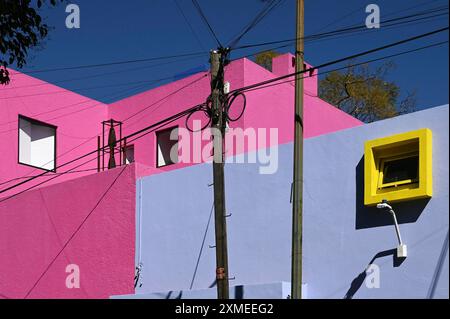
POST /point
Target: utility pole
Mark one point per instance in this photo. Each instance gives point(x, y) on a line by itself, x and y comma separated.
point(218, 132)
point(297, 206)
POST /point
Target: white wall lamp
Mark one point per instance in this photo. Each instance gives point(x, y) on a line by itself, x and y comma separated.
point(402, 251)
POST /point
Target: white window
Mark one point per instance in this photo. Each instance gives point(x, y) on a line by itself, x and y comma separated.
point(167, 148)
point(37, 143)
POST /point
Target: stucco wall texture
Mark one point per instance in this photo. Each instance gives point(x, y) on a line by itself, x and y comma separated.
point(78, 118)
point(341, 237)
point(88, 221)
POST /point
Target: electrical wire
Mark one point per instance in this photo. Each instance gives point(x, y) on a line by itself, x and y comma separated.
point(75, 232)
point(237, 91)
point(270, 6)
point(128, 137)
point(103, 74)
point(91, 138)
point(353, 56)
point(189, 25)
point(87, 66)
point(394, 21)
point(167, 96)
point(202, 15)
point(352, 65)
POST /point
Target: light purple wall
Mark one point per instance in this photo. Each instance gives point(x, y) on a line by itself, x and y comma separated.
point(340, 237)
point(278, 290)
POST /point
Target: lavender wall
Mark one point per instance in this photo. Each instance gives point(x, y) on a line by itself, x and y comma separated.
point(340, 236)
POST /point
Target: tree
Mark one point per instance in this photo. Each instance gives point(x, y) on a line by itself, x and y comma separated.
point(21, 28)
point(366, 94)
point(264, 59)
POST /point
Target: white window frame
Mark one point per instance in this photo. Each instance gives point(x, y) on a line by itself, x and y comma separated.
point(160, 158)
point(26, 147)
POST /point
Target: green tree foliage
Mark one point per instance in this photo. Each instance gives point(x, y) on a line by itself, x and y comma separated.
point(365, 93)
point(264, 59)
point(21, 28)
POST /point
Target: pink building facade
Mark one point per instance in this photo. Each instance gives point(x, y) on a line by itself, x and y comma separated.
point(88, 218)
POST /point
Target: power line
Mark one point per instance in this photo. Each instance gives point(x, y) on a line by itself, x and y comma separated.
point(89, 139)
point(364, 6)
point(202, 15)
point(182, 113)
point(88, 88)
point(341, 18)
point(74, 233)
point(77, 146)
point(353, 56)
point(144, 132)
point(291, 43)
point(394, 21)
point(114, 63)
point(167, 96)
point(258, 18)
point(352, 65)
point(197, 107)
point(189, 25)
point(113, 97)
point(52, 177)
point(103, 74)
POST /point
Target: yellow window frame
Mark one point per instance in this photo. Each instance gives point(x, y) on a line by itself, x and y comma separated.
point(379, 151)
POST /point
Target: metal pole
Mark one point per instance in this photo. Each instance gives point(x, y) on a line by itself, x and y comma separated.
point(297, 206)
point(124, 150)
point(218, 131)
point(397, 229)
point(98, 153)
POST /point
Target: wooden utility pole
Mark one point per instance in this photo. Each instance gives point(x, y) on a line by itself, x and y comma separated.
point(218, 131)
point(297, 206)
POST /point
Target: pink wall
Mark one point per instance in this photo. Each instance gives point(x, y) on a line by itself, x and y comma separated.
point(35, 225)
point(97, 210)
point(274, 106)
point(271, 107)
point(78, 119)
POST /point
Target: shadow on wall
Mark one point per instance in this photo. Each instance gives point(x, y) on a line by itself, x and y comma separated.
point(359, 280)
point(368, 217)
point(170, 293)
point(238, 293)
point(438, 269)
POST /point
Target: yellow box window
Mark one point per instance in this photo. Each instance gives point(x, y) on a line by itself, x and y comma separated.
point(398, 167)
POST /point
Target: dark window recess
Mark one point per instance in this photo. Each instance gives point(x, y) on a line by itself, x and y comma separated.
point(129, 154)
point(401, 170)
point(167, 149)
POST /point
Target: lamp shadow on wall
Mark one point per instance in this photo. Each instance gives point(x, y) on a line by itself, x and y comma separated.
point(368, 217)
point(359, 280)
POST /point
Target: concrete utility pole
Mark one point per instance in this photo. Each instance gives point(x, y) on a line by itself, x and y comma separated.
point(218, 131)
point(297, 206)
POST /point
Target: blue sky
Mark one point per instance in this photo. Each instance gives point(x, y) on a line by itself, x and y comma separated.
point(138, 29)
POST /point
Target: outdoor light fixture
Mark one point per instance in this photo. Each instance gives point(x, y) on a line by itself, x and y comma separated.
point(401, 248)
